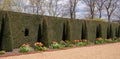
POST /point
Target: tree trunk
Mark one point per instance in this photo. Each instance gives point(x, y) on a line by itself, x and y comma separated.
point(100, 15)
point(109, 18)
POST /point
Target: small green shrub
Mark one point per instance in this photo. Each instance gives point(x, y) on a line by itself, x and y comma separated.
point(99, 41)
point(39, 47)
point(25, 48)
point(69, 44)
point(56, 45)
point(80, 42)
point(118, 40)
point(2, 52)
point(109, 41)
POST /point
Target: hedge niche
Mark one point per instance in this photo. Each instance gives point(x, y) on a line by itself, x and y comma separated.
point(118, 32)
point(66, 30)
point(98, 31)
point(1, 22)
point(84, 31)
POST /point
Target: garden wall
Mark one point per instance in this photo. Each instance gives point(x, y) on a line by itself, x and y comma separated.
point(19, 28)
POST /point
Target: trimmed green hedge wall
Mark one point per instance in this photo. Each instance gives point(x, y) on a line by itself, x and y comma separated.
point(52, 29)
point(6, 41)
point(104, 26)
point(74, 29)
point(19, 28)
point(114, 30)
point(19, 22)
point(91, 30)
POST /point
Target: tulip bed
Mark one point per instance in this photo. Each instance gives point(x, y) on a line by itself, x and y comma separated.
point(39, 46)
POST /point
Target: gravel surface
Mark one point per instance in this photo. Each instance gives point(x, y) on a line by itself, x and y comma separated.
point(107, 51)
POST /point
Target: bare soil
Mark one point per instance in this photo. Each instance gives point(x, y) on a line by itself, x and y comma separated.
point(104, 51)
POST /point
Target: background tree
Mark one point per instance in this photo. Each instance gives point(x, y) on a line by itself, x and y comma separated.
point(110, 7)
point(54, 8)
point(100, 6)
point(117, 12)
point(72, 8)
point(6, 5)
point(37, 6)
point(18, 5)
point(91, 4)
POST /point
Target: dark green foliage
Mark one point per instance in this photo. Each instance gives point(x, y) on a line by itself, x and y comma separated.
point(109, 32)
point(68, 30)
point(104, 26)
point(116, 33)
point(98, 31)
point(91, 30)
point(114, 27)
point(53, 29)
point(1, 34)
point(19, 28)
point(74, 29)
point(1, 29)
point(18, 23)
point(24, 49)
point(99, 41)
point(7, 41)
point(84, 31)
point(46, 39)
point(119, 31)
point(109, 41)
point(64, 32)
point(39, 36)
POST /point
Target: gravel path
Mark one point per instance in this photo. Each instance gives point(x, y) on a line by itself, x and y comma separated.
point(107, 51)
